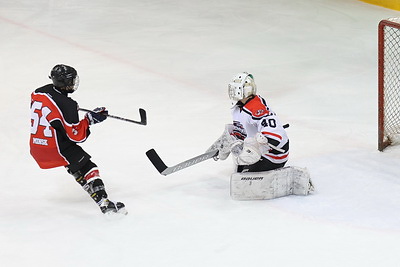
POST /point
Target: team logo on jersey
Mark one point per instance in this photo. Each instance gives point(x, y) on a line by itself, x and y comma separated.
point(238, 130)
point(259, 112)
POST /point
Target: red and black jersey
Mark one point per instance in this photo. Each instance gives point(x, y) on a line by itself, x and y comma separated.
point(56, 128)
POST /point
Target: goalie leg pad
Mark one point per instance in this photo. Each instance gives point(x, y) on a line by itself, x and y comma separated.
point(271, 184)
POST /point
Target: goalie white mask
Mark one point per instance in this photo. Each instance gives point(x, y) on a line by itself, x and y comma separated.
point(241, 86)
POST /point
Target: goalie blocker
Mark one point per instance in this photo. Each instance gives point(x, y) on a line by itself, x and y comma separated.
point(271, 184)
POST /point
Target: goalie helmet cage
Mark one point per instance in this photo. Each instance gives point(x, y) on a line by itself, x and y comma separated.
point(388, 82)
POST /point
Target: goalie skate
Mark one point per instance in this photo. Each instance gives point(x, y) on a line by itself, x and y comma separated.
point(271, 184)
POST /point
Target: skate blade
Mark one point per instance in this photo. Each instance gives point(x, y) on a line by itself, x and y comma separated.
point(120, 212)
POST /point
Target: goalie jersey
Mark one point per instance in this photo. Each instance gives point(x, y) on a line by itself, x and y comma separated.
point(255, 116)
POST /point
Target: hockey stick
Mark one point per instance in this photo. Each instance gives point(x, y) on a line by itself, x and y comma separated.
point(165, 170)
point(142, 112)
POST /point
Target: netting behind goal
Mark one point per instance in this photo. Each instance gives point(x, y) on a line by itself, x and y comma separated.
point(388, 83)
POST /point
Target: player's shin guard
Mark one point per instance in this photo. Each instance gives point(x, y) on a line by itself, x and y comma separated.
point(92, 184)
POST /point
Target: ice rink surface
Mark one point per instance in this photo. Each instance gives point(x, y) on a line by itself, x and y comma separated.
point(315, 62)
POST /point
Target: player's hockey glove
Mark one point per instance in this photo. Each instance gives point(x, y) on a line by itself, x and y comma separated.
point(97, 115)
point(246, 152)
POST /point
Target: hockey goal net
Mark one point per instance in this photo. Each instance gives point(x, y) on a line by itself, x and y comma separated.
point(388, 83)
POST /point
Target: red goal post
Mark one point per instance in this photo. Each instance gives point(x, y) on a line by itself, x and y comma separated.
point(388, 83)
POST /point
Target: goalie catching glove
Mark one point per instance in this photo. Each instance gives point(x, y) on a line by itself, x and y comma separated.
point(245, 152)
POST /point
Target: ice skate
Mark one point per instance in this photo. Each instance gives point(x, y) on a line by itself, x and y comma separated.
point(109, 207)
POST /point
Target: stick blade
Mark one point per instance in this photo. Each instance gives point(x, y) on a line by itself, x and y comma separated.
point(156, 160)
point(143, 116)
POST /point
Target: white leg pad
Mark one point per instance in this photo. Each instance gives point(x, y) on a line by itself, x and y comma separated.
point(271, 184)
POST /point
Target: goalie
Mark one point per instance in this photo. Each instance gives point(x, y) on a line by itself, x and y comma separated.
point(259, 144)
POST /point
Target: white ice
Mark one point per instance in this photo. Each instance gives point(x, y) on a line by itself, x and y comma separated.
point(316, 63)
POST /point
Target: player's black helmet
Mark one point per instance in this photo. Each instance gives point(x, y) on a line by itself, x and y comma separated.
point(65, 78)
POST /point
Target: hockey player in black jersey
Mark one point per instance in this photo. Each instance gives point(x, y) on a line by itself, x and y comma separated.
point(56, 131)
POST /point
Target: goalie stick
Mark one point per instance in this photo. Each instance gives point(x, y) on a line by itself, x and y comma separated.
point(142, 112)
point(165, 170)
